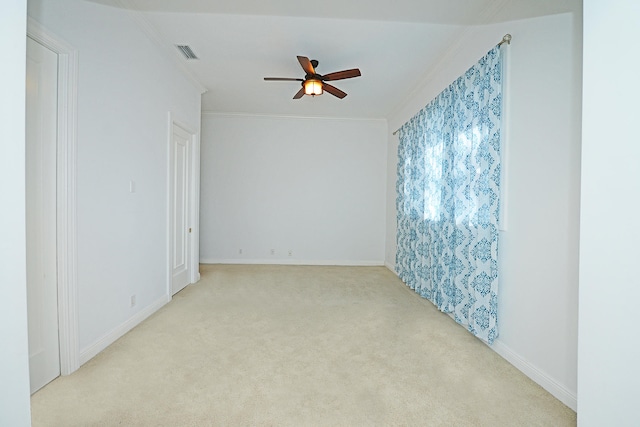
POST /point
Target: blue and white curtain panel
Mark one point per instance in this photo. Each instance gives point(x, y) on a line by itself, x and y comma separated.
point(448, 201)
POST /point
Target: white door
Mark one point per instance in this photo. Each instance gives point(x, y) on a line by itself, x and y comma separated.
point(180, 162)
point(42, 288)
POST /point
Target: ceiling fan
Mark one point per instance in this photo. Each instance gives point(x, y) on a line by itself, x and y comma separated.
point(313, 83)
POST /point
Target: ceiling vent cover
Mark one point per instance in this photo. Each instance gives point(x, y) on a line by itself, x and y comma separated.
point(186, 51)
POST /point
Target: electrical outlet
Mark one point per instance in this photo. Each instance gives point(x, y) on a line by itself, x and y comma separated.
point(290, 252)
point(239, 251)
point(273, 251)
point(133, 300)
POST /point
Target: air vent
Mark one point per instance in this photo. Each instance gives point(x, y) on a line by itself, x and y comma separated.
point(186, 51)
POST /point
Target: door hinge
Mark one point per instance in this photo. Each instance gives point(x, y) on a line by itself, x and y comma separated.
point(189, 229)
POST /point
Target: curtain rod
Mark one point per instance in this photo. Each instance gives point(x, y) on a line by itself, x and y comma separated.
point(506, 39)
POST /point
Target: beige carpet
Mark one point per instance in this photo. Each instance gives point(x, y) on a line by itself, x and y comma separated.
point(297, 346)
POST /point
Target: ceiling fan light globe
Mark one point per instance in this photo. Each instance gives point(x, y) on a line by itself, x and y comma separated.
point(313, 87)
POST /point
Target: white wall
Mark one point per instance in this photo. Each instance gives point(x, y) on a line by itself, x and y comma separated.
point(313, 186)
point(14, 362)
point(127, 87)
point(609, 351)
point(538, 253)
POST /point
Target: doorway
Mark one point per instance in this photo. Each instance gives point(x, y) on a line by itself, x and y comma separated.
point(181, 227)
point(51, 87)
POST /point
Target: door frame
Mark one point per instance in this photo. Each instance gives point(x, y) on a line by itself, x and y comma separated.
point(66, 194)
point(193, 201)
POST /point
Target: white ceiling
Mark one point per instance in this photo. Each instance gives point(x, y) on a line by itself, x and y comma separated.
point(393, 43)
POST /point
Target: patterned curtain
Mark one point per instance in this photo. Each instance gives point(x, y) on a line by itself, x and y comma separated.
point(448, 198)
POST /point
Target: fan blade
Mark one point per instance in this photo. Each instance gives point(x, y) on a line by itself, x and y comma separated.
point(333, 90)
point(306, 65)
point(299, 95)
point(282, 79)
point(340, 75)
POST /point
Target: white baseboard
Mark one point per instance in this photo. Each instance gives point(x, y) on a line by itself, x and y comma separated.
point(557, 390)
point(95, 348)
point(196, 278)
point(280, 261)
point(390, 267)
point(543, 380)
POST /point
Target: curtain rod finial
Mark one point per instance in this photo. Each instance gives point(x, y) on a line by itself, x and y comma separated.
point(507, 39)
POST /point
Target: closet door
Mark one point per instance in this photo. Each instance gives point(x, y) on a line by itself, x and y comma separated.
point(41, 150)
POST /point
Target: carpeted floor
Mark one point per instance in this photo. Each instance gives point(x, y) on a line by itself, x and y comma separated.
point(297, 346)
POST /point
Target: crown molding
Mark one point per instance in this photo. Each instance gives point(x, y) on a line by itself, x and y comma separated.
point(289, 116)
point(453, 49)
